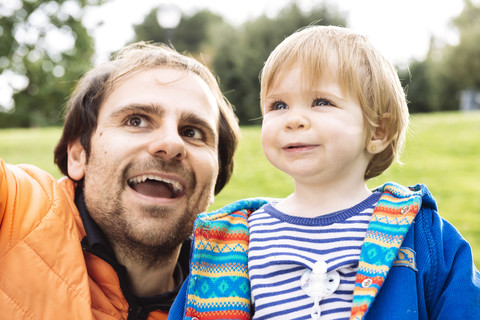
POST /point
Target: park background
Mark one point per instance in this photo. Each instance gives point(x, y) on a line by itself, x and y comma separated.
point(45, 46)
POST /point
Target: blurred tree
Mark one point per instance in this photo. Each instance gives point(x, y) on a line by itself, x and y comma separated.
point(241, 55)
point(461, 63)
point(418, 88)
point(194, 34)
point(419, 83)
point(44, 49)
point(435, 83)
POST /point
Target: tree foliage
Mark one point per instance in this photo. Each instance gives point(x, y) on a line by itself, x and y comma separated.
point(464, 58)
point(195, 34)
point(44, 45)
point(435, 83)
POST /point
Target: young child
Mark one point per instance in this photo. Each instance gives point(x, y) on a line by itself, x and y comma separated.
point(334, 116)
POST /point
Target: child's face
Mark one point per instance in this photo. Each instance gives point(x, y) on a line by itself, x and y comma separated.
point(315, 134)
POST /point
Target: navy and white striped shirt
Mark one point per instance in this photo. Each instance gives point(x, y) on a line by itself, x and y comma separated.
point(283, 247)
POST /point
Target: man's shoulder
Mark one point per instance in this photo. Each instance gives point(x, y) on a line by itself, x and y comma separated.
point(31, 194)
point(30, 176)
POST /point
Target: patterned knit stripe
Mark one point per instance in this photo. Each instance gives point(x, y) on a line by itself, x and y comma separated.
point(398, 211)
point(367, 270)
point(235, 234)
point(383, 239)
point(358, 311)
point(228, 242)
point(220, 246)
point(218, 274)
point(217, 315)
point(230, 224)
point(220, 257)
point(219, 284)
point(211, 291)
point(209, 258)
point(220, 262)
point(376, 283)
point(221, 304)
point(390, 222)
point(228, 269)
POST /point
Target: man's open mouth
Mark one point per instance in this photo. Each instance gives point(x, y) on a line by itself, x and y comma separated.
point(155, 186)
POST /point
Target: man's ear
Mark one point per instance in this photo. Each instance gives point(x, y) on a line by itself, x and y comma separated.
point(77, 159)
point(379, 141)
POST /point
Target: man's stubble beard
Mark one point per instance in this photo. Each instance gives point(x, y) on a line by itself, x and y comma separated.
point(152, 247)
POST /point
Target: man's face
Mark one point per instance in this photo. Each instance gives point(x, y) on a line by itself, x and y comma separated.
point(154, 158)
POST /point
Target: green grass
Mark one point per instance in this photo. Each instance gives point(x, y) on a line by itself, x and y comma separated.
point(442, 151)
point(33, 146)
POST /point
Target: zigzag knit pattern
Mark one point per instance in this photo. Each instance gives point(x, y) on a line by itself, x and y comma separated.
point(390, 222)
point(219, 287)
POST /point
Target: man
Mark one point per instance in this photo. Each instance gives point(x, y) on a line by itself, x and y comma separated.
point(148, 140)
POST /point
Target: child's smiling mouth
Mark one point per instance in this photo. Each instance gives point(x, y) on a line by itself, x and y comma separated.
point(299, 147)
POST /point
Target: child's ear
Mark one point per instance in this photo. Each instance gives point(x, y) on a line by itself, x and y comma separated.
point(379, 141)
point(77, 159)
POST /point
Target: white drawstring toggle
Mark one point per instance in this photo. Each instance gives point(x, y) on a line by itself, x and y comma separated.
point(318, 284)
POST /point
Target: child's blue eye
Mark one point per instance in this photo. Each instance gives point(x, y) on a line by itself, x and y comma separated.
point(321, 102)
point(279, 105)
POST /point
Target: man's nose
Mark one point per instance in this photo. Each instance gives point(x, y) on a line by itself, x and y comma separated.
point(167, 143)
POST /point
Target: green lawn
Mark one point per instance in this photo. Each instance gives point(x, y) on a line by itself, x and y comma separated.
point(442, 151)
point(34, 146)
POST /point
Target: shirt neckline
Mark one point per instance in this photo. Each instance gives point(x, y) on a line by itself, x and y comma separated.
point(326, 219)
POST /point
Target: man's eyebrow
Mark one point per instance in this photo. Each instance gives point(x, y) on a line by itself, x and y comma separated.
point(138, 108)
point(193, 119)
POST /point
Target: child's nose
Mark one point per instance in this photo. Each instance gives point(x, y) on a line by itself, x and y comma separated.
point(297, 121)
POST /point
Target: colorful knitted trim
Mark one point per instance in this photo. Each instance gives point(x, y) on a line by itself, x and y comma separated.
point(219, 286)
point(390, 222)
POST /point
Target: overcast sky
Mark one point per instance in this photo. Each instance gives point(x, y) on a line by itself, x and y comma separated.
point(400, 28)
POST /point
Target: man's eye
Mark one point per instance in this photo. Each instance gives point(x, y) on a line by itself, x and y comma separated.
point(192, 133)
point(321, 102)
point(279, 105)
point(136, 121)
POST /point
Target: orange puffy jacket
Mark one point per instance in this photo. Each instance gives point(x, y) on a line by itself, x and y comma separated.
point(44, 274)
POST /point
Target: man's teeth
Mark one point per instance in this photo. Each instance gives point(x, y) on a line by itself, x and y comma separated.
point(177, 187)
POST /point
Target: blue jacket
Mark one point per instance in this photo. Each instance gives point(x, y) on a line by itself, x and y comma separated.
point(417, 265)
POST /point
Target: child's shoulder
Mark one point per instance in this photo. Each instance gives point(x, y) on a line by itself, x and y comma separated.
point(241, 207)
point(398, 192)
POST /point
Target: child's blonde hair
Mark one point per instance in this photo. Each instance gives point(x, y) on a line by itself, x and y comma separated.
point(362, 71)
